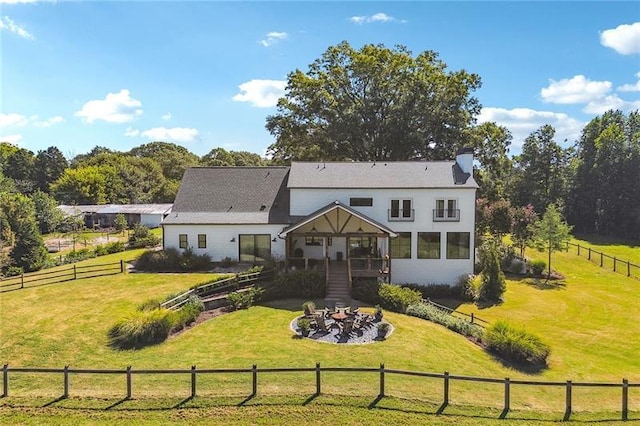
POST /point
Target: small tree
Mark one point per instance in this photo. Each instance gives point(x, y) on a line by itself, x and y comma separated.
point(120, 222)
point(551, 233)
point(493, 283)
point(521, 229)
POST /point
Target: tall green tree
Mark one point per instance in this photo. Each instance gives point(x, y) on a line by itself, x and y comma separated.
point(491, 143)
point(521, 229)
point(374, 103)
point(173, 159)
point(49, 165)
point(19, 166)
point(84, 185)
point(542, 171)
point(28, 252)
point(551, 233)
point(47, 214)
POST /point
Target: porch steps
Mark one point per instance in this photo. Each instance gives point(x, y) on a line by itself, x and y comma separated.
point(338, 285)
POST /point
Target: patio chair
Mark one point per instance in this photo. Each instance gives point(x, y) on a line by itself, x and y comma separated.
point(347, 328)
point(322, 324)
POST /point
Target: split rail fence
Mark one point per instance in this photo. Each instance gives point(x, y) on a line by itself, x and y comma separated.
point(70, 273)
point(621, 266)
point(317, 371)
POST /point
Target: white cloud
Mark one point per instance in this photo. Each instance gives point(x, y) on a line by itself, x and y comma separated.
point(378, 17)
point(261, 93)
point(521, 122)
point(13, 119)
point(602, 105)
point(7, 24)
point(12, 139)
point(166, 117)
point(131, 132)
point(631, 87)
point(114, 108)
point(49, 122)
point(575, 90)
point(273, 37)
point(174, 134)
point(624, 39)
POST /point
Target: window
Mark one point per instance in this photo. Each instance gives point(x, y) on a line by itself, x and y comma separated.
point(401, 246)
point(183, 243)
point(401, 210)
point(360, 247)
point(360, 202)
point(312, 241)
point(446, 211)
point(202, 240)
point(428, 245)
point(255, 248)
point(458, 245)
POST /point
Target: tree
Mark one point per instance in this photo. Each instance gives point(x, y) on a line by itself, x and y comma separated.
point(85, 185)
point(28, 252)
point(19, 167)
point(48, 216)
point(490, 144)
point(222, 157)
point(49, 165)
point(551, 233)
point(371, 104)
point(521, 231)
point(541, 171)
point(173, 159)
point(120, 222)
point(493, 284)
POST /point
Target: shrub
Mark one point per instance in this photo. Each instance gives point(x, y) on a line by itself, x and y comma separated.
point(304, 325)
point(187, 313)
point(493, 284)
point(299, 283)
point(308, 307)
point(171, 260)
point(537, 266)
point(366, 290)
point(227, 262)
point(439, 316)
point(245, 299)
point(396, 298)
point(189, 261)
point(142, 237)
point(78, 255)
point(115, 247)
point(517, 266)
point(149, 305)
point(13, 271)
point(516, 344)
point(100, 250)
point(141, 329)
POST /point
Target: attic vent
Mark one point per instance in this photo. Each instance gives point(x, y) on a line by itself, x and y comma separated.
point(262, 207)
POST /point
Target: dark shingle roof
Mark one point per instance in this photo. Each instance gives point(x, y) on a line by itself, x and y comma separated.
point(242, 194)
point(392, 174)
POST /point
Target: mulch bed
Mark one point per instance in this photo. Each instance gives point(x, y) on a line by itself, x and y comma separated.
point(204, 316)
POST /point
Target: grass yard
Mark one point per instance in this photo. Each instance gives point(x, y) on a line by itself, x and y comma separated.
point(630, 251)
point(590, 321)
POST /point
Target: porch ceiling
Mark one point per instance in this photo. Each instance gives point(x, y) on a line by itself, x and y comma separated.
point(337, 219)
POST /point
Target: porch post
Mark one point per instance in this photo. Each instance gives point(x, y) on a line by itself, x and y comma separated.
point(389, 260)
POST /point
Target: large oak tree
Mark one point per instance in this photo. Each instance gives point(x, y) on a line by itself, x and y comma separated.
point(374, 103)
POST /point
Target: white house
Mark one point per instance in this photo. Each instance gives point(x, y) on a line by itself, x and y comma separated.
point(405, 222)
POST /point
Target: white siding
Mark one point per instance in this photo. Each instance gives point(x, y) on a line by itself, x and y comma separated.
point(219, 244)
point(151, 220)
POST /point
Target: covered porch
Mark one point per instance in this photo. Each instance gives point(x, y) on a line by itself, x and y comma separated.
point(341, 243)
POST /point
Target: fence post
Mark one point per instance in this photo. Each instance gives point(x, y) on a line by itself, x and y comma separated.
point(507, 394)
point(65, 393)
point(193, 381)
point(317, 378)
point(129, 382)
point(578, 249)
point(381, 393)
point(445, 400)
point(625, 399)
point(601, 260)
point(254, 390)
point(21, 280)
point(471, 317)
point(614, 264)
point(121, 266)
point(75, 272)
point(628, 268)
point(567, 408)
point(5, 380)
point(589, 253)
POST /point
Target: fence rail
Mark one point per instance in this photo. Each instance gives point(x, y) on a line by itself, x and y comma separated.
point(317, 371)
point(621, 266)
point(73, 272)
point(470, 317)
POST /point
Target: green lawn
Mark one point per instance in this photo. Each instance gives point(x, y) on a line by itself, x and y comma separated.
point(628, 251)
point(590, 321)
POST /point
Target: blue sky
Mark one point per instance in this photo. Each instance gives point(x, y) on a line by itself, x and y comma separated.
point(207, 74)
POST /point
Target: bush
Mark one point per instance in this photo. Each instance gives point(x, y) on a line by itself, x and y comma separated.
point(517, 266)
point(245, 299)
point(100, 250)
point(149, 305)
point(366, 290)
point(171, 260)
point(13, 271)
point(459, 325)
point(115, 247)
point(396, 298)
point(141, 329)
point(299, 283)
point(516, 344)
point(142, 237)
point(187, 313)
point(227, 262)
point(493, 284)
point(537, 267)
point(189, 261)
point(78, 255)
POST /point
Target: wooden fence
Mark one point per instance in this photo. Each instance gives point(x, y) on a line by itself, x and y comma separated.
point(621, 266)
point(470, 317)
point(316, 372)
point(70, 273)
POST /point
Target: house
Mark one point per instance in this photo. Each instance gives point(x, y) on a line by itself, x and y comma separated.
point(103, 216)
point(405, 222)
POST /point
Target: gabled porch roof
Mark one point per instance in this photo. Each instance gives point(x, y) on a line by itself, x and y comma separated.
point(335, 219)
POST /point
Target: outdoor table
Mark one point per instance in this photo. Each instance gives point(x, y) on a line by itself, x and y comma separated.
point(339, 316)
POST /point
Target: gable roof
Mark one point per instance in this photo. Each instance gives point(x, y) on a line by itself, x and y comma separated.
point(232, 195)
point(389, 174)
